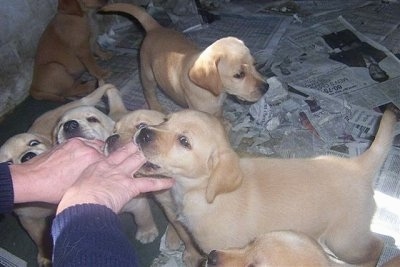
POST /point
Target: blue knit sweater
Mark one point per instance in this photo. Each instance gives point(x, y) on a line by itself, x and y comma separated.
point(84, 235)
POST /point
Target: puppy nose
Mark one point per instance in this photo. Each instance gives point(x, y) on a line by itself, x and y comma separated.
point(145, 136)
point(70, 126)
point(212, 258)
point(112, 139)
point(110, 143)
point(264, 88)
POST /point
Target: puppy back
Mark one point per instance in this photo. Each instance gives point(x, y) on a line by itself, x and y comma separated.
point(147, 21)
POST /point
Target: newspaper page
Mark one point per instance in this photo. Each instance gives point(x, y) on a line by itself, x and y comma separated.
point(333, 58)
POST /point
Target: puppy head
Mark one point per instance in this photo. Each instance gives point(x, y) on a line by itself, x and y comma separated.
point(227, 66)
point(279, 248)
point(86, 122)
point(22, 147)
point(126, 127)
point(193, 148)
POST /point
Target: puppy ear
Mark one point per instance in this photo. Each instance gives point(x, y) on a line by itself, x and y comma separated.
point(204, 73)
point(226, 175)
point(70, 7)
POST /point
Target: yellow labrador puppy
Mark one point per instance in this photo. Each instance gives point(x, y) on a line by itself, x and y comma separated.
point(226, 201)
point(44, 125)
point(277, 248)
point(124, 131)
point(280, 248)
point(191, 77)
point(33, 216)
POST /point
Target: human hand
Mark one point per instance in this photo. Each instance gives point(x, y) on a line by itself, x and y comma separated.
point(46, 177)
point(110, 182)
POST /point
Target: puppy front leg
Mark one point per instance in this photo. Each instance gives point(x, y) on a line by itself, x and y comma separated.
point(88, 60)
point(39, 230)
point(147, 230)
point(191, 256)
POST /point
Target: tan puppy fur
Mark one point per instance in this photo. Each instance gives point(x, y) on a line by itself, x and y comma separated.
point(33, 216)
point(45, 124)
point(64, 53)
point(278, 248)
point(226, 201)
point(193, 78)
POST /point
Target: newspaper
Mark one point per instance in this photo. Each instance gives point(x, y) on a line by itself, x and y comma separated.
point(334, 58)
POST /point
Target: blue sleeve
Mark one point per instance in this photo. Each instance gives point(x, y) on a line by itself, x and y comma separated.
point(90, 235)
point(6, 189)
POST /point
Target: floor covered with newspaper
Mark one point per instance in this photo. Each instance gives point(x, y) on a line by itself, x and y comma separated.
point(330, 66)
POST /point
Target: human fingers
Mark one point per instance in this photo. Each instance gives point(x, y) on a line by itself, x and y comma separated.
point(123, 153)
point(131, 164)
point(146, 184)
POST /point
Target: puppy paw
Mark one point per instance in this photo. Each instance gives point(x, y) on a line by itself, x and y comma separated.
point(43, 262)
point(147, 236)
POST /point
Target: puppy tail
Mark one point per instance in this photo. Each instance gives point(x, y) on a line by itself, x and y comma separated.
point(376, 154)
point(139, 13)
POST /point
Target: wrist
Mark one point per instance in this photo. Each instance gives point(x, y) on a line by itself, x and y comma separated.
point(73, 197)
point(25, 188)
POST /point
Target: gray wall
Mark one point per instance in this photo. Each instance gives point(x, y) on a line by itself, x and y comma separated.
point(21, 24)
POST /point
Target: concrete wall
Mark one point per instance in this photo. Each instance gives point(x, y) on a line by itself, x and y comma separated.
point(21, 24)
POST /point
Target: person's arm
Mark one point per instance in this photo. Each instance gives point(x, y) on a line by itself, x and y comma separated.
point(90, 235)
point(6, 189)
point(86, 230)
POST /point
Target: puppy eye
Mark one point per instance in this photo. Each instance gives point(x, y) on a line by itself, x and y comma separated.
point(34, 143)
point(184, 142)
point(10, 162)
point(92, 119)
point(239, 75)
point(141, 125)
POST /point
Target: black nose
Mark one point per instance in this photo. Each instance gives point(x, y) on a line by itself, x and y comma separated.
point(212, 258)
point(145, 136)
point(264, 88)
point(28, 156)
point(70, 126)
point(111, 141)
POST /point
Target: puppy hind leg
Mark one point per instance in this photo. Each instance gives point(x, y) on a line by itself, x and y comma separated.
point(149, 89)
point(355, 247)
point(146, 227)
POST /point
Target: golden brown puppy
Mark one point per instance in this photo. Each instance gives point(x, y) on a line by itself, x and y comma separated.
point(64, 54)
point(226, 201)
point(124, 132)
point(193, 78)
point(33, 216)
point(277, 248)
point(45, 124)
